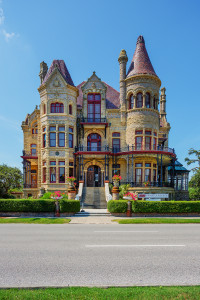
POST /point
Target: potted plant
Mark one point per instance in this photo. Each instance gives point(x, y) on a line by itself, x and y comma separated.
point(116, 179)
point(57, 196)
point(71, 180)
point(147, 183)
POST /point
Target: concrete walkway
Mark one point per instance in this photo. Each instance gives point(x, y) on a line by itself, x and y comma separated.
point(93, 216)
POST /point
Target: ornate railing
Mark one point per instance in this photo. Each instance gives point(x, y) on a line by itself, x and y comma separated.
point(29, 153)
point(149, 184)
point(106, 148)
point(30, 186)
point(93, 120)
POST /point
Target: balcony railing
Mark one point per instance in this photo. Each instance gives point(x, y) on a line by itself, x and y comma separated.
point(115, 150)
point(93, 120)
point(30, 154)
point(149, 184)
point(30, 186)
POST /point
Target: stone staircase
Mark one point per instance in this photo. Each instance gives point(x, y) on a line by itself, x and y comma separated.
point(94, 197)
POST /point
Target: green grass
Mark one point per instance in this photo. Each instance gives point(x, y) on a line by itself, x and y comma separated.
point(147, 293)
point(35, 220)
point(156, 221)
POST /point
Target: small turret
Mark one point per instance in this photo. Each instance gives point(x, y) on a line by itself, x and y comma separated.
point(122, 64)
point(43, 71)
point(163, 103)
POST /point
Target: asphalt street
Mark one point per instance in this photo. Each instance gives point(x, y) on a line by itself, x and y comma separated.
point(33, 255)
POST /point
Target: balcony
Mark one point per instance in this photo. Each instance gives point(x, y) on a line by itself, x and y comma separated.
point(96, 121)
point(30, 155)
point(150, 184)
point(30, 186)
point(125, 150)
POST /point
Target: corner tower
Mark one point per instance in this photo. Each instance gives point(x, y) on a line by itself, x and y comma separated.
point(142, 98)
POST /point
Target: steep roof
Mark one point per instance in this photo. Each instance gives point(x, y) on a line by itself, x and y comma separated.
point(112, 97)
point(60, 64)
point(140, 63)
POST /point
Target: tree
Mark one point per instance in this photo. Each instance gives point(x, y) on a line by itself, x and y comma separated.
point(191, 161)
point(10, 178)
point(194, 183)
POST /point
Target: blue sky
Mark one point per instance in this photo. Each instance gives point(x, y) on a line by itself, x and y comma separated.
point(89, 35)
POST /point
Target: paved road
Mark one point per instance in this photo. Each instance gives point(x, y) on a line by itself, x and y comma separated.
point(102, 255)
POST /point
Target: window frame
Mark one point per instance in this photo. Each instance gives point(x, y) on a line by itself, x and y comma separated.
point(57, 108)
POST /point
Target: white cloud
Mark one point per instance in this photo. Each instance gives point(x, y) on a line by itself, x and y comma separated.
point(8, 36)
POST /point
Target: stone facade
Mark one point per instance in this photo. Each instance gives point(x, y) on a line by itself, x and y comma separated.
point(93, 131)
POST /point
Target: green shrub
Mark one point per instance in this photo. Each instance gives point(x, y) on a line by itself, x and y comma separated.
point(46, 195)
point(26, 205)
point(166, 206)
point(69, 206)
point(117, 206)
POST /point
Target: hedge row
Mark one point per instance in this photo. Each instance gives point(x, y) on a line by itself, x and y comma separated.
point(120, 206)
point(69, 206)
point(166, 206)
point(117, 206)
point(37, 206)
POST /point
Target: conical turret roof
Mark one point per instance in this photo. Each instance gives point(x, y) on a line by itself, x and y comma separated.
point(60, 64)
point(140, 63)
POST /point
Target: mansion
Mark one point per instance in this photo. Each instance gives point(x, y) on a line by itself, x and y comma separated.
point(91, 131)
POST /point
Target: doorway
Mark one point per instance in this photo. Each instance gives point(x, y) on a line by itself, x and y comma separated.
point(94, 176)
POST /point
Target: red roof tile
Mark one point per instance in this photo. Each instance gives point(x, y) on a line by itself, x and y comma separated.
point(140, 63)
point(112, 97)
point(63, 70)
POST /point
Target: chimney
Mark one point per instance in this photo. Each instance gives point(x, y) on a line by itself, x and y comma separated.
point(43, 71)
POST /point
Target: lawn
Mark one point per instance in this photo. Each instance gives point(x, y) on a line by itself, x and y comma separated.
point(35, 220)
point(147, 293)
point(156, 221)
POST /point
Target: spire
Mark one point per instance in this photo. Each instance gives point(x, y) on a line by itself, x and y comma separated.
point(60, 65)
point(140, 63)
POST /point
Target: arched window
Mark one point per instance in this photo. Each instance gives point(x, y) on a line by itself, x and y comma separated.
point(94, 142)
point(57, 107)
point(34, 129)
point(147, 100)
point(131, 102)
point(139, 100)
point(70, 109)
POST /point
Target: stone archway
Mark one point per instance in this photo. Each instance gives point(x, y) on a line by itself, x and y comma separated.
point(94, 173)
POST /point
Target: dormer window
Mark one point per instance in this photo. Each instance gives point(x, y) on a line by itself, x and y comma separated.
point(57, 107)
point(94, 108)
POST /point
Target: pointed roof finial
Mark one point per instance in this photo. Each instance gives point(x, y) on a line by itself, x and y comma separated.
point(140, 63)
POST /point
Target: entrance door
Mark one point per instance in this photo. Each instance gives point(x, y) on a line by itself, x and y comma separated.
point(94, 176)
point(33, 180)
